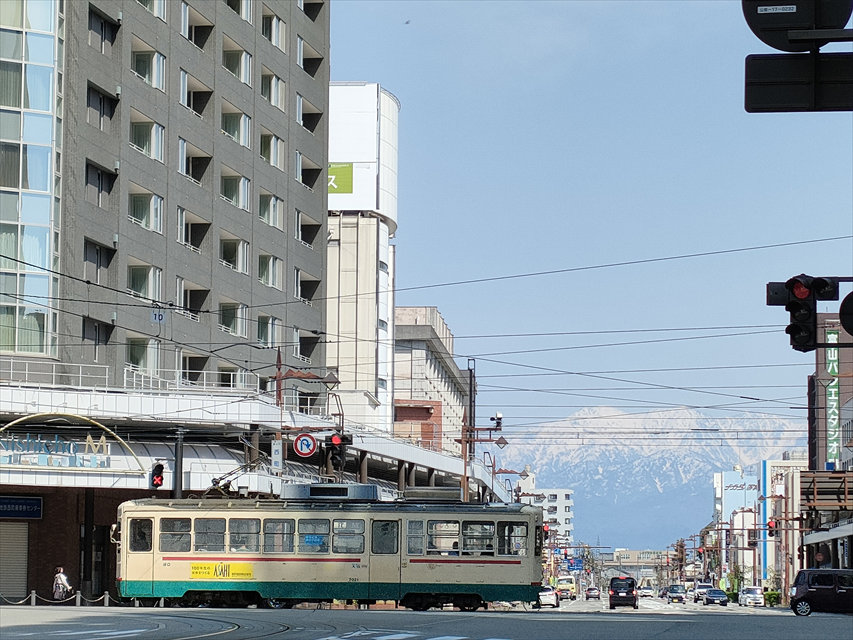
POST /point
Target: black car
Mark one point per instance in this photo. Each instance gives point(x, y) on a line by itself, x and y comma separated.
point(822, 590)
point(676, 593)
point(715, 596)
point(623, 592)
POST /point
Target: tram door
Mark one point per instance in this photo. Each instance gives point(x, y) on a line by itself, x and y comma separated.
point(384, 565)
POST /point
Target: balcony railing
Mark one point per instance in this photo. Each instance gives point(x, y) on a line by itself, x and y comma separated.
point(28, 371)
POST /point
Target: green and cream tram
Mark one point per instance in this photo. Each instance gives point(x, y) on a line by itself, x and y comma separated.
point(328, 545)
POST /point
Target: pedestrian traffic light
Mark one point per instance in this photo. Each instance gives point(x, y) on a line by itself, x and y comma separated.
point(771, 528)
point(157, 476)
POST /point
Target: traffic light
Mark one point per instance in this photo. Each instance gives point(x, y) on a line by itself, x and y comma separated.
point(802, 305)
point(157, 476)
point(700, 552)
point(336, 445)
point(799, 296)
point(771, 528)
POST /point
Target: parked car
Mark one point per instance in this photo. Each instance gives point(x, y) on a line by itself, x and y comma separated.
point(548, 596)
point(700, 589)
point(751, 596)
point(646, 592)
point(715, 596)
point(676, 593)
point(592, 592)
point(623, 592)
point(822, 590)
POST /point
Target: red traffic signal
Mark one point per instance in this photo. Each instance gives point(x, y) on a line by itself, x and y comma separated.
point(157, 476)
point(336, 440)
point(771, 528)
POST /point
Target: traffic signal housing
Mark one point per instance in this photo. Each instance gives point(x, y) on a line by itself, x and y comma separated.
point(771, 528)
point(799, 296)
point(157, 476)
point(336, 446)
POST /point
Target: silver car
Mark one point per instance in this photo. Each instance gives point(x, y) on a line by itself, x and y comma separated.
point(751, 597)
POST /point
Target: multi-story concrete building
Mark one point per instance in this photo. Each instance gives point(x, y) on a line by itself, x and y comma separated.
point(362, 221)
point(164, 206)
point(431, 394)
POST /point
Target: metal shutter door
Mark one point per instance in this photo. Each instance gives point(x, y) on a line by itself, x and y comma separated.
point(13, 559)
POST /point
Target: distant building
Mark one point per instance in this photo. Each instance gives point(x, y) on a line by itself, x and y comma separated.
point(431, 393)
point(557, 506)
point(362, 221)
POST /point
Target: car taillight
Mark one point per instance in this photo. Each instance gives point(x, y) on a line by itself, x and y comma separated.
point(610, 592)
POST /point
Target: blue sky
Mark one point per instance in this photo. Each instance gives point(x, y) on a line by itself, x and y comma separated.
point(557, 138)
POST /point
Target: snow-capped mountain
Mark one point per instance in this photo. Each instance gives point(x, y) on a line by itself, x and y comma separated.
point(644, 481)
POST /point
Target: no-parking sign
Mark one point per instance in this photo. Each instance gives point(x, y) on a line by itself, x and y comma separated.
point(305, 445)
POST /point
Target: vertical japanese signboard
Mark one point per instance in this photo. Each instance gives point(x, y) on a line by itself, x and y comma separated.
point(833, 404)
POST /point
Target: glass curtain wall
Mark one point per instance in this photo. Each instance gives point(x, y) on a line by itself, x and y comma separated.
point(31, 45)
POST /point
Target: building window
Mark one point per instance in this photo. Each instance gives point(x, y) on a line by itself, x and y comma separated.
point(101, 109)
point(190, 298)
point(143, 353)
point(148, 64)
point(273, 89)
point(306, 170)
point(237, 60)
point(143, 281)
point(191, 229)
point(242, 8)
point(236, 124)
point(95, 335)
point(235, 188)
point(307, 114)
point(99, 185)
point(272, 150)
point(195, 96)
point(273, 29)
point(96, 262)
point(305, 286)
point(192, 161)
point(306, 229)
point(269, 271)
point(271, 210)
point(194, 27)
point(234, 254)
point(307, 57)
point(155, 7)
point(145, 209)
point(146, 136)
point(102, 32)
point(232, 318)
point(269, 330)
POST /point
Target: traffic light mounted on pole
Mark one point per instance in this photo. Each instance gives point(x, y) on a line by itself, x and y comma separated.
point(157, 476)
point(336, 447)
point(799, 296)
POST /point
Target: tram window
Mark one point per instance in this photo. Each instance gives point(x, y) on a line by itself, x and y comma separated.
point(512, 538)
point(478, 538)
point(140, 534)
point(348, 536)
point(313, 536)
point(244, 534)
point(278, 535)
point(175, 534)
point(384, 535)
point(415, 537)
point(210, 534)
point(443, 537)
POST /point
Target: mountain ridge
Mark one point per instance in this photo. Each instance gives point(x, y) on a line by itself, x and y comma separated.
point(646, 480)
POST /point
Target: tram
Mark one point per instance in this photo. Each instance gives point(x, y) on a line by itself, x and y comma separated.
point(328, 542)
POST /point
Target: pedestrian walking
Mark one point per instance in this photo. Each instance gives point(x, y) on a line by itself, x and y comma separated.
point(61, 587)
